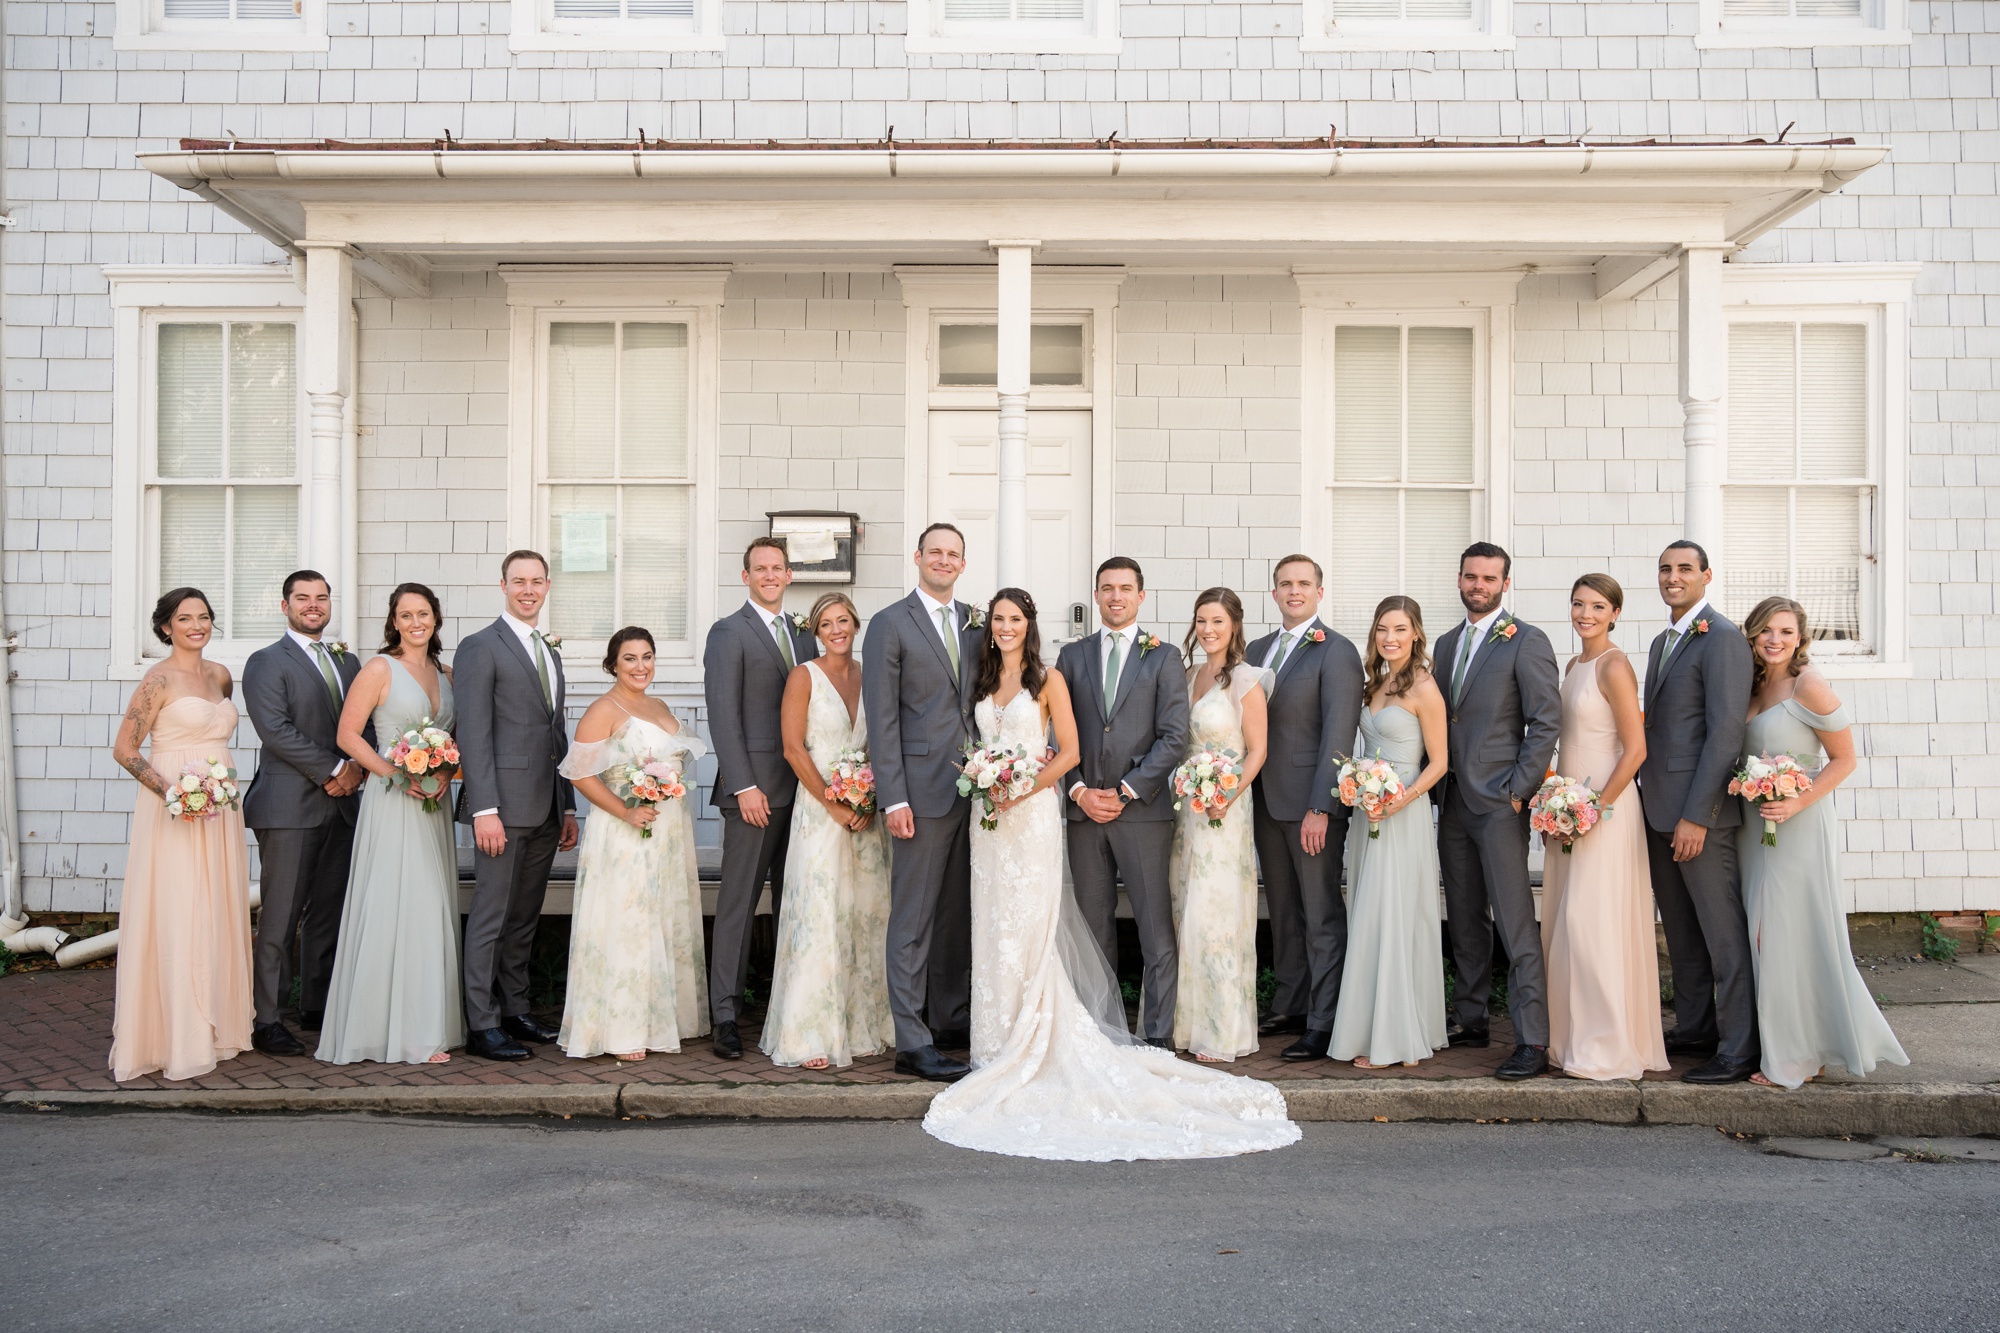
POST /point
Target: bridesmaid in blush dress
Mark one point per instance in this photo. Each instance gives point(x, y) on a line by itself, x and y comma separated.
point(1597, 899)
point(1813, 1008)
point(184, 925)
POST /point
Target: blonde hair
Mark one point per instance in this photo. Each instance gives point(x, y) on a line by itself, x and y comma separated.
point(1760, 617)
point(1378, 677)
point(828, 600)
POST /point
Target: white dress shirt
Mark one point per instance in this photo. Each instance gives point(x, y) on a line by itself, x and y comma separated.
point(1298, 633)
point(310, 646)
point(1685, 625)
point(1108, 636)
point(931, 608)
point(525, 632)
point(774, 621)
point(1480, 630)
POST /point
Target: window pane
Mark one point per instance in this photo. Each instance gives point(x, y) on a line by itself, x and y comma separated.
point(659, 9)
point(1762, 420)
point(212, 10)
point(1829, 577)
point(1435, 10)
point(1756, 9)
point(1367, 403)
point(192, 550)
point(1055, 354)
point(583, 541)
point(1757, 537)
point(1440, 393)
point(1366, 9)
point(1833, 400)
point(190, 408)
point(1428, 532)
point(586, 9)
point(267, 10)
point(1363, 520)
point(1829, 9)
point(655, 573)
point(653, 400)
point(582, 389)
point(1437, 527)
point(266, 549)
point(969, 355)
point(263, 401)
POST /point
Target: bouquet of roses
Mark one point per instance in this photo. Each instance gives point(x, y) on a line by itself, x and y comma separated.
point(1207, 780)
point(853, 781)
point(646, 781)
point(1368, 785)
point(203, 790)
point(425, 757)
point(1564, 810)
point(995, 773)
point(1766, 777)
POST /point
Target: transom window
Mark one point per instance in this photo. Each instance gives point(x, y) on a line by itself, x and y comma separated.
point(222, 477)
point(615, 494)
point(968, 355)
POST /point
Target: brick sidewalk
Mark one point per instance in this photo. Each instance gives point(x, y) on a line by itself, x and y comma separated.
point(55, 1035)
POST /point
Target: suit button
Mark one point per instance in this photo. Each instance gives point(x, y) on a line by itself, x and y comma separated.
point(1107, 731)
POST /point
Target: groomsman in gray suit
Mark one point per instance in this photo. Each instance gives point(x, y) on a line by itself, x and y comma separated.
point(507, 680)
point(917, 669)
point(744, 667)
point(1301, 826)
point(1697, 698)
point(302, 806)
point(1131, 704)
point(1504, 711)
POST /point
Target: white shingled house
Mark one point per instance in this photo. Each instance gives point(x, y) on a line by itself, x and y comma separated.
point(389, 289)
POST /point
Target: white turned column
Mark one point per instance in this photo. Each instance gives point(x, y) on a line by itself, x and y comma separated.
point(1704, 385)
point(1016, 319)
point(326, 372)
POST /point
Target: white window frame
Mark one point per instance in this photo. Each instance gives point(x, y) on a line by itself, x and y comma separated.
point(142, 298)
point(928, 35)
point(534, 27)
point(1882, 23)
point(1491, 29)
point(1483, 302)
point(142, 27)
point(539, 294)
point(1878, 296)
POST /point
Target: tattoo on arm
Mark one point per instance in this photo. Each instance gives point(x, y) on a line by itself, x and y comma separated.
point(146, 701)
point(140, 769)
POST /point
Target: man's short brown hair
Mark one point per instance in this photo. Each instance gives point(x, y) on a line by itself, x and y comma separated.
point(523, 554)
point(775, 543)
point(1319, 575)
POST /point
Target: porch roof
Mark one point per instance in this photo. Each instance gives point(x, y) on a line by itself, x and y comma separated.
point(1622, 208)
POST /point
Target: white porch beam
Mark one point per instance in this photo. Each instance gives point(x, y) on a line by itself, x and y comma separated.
point(1622, 277)
point(326, 372)
point(1016, 309)
point(1704, 383)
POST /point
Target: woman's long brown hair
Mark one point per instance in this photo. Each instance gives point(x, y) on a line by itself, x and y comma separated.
point(1033, 673)
point(1753, 625)
point(1232, 605)
point(392, 638)
point(1378, 677)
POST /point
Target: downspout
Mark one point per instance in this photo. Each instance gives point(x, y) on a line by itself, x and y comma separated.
point(10, 847)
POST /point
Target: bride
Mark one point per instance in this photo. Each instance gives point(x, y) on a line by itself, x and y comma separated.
point(1056, 1073)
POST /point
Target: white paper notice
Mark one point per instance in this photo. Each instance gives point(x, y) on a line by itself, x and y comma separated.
point(811, 546)
point(586, 544)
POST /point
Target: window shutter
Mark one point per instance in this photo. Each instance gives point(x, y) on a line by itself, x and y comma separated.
point(1367, 403)
point(582, 397)
point(1763, 419)
point(1833, 401)
point(189, 413)
point(653, 401)
point(1440, 393)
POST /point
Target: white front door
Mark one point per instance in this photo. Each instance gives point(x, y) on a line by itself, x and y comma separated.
point(965, 491)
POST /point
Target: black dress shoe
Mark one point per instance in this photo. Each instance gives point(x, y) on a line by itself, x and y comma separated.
point(1679, 1045)
point(1721, 1069)
point(727, 1041)
point(1312, 1046)
point(493, 1044)
point(952, 1039)
point(277, 1039)
point(1477, 1039)
point(312, 1020)
point(1282, 1025)
point(1164, 1043)
point(526, 1027)
point(927, 1063)
point(1525, 1062)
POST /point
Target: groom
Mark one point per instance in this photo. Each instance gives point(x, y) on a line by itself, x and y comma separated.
point(917, 670)
point(508, 683)
point(1132, 721)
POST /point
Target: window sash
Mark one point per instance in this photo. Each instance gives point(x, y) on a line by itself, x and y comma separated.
point(1362, 14)
point(1406, 540)
point(988, 15)
point(1755, 14)
point(674, 15)
point(209, 15)
point(1814, 543)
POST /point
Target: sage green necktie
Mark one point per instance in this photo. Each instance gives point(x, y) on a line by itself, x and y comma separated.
point(542, 668)
point(1284, 649)
point(784, 642)
point(1111, 670)
point(327, 672)
point(950, 638)
point(1464, 658)
point(1673, 642)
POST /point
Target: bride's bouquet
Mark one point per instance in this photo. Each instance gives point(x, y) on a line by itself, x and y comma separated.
point(1207, 781)
point(1770, 777)
point(645, 781)
point(203, 790)
point(852, 781)
point(1368, 785)
point(424, 757)
point(995, 773)
point(1564, 810)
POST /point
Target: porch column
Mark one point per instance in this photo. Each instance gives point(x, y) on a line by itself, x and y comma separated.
point(1016, 316)
point(326, 373)
point(1704, 384)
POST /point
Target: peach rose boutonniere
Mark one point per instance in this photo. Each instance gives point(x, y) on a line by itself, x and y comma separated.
point(1701, 626)
point(1315, 635)
point(552, 641)
point(338, 647)
point(1145, 642)
point(1505, 630)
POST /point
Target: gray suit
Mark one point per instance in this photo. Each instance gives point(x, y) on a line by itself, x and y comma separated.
point(743, 681)
point(1137, 743)
point(1696, 702)
point(1313, 713)
point(1501, 733)
point(304, 836)
point(509, 742)
point(919, 719)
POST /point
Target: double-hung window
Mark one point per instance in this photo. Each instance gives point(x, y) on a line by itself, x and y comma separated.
point(1407, 25)
point(975, 27)
point(1800, 23)
point(616, 25)
point(220, 25)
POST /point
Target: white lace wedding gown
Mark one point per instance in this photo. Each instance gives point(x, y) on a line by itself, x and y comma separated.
point(1056, 1074)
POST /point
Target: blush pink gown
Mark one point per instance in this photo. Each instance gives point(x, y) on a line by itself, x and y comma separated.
point(184, 925)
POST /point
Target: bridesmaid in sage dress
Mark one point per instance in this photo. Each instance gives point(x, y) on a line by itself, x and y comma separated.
point(1813, 1009)
point(1391, 1006)
point(1214, 870)
point(830, 985)
point(395, 995)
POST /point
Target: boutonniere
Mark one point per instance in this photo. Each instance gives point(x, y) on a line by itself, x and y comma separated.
point(338, 647)
point(1701, 627)
point(552, 640)
point(975, 619)
point(798, 622)
point(1145, 642)
point(1315, 635)
point(1506, 629)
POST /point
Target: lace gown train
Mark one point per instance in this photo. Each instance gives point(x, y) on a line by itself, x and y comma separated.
point(1054, 1077)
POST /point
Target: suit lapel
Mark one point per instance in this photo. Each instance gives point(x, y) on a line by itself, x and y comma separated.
point(304, 662)
point(761, 628)
point(1482, 653)
point(1094, 664)
point(1128, 673)
point(1658, 675)
point(921, 614)
point(512, 641)
point(1298, 651)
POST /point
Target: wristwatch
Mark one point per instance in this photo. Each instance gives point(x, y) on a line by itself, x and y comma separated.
point(1124, 797)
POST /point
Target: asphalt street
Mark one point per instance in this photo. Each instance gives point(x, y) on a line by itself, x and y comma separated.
point(170, 1222)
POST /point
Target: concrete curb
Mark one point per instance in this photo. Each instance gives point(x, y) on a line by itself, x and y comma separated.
point(1817, 1109)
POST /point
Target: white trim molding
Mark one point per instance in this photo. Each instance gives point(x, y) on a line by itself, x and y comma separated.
point(1881, 23)
point(538, 292)
point(930, 34)
point(533, 26)
point(140, 26)
point(1490, 29)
